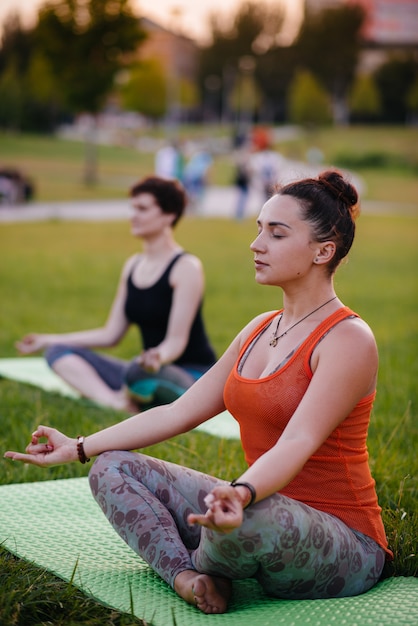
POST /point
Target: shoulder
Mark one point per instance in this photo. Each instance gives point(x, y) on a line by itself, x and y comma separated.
point(130, 264)
point(351, 339)
point(355, 329)
point(347, 358)
point(187, 262)
point(188, 267)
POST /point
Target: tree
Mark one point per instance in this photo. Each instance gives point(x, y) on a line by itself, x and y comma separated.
point(189, 95)
point(275, 72)
point(11, 98)
point(146, 89)
point(16, 45)
point(86, 43)
point(252, 31)
point(29, 99)
point(412, 100)
point(329, 45)
point(364, 100)
point(245, 97)
point(394, 79)
point(308, 101)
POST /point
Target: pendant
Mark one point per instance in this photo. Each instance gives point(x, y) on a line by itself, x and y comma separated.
point(273, 342)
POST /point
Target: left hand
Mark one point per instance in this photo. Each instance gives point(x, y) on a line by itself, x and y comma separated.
point(225, 510)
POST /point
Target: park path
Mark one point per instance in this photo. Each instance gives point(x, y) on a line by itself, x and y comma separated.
point(217, 202)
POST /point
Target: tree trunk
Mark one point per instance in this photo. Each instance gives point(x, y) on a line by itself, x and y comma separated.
point(90, 153)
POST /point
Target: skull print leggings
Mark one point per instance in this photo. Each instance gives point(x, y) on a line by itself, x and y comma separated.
point(293, 550)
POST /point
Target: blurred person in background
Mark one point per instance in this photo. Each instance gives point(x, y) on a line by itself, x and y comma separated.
point(161, 292)
point(265, 162)
point(169, 161)
point(196, 176)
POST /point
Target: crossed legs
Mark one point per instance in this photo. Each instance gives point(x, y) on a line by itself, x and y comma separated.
point(294, 551)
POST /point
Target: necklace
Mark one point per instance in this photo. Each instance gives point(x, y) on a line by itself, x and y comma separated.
point(275, 338)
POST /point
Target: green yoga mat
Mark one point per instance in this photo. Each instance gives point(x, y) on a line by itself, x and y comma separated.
point(35, 371)
point(58, 525)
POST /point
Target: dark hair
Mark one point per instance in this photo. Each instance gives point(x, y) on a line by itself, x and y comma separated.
point(330, 204)
point(169, 194)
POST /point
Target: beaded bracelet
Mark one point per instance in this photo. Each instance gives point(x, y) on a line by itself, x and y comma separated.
point(80, 450)
point(235, 483)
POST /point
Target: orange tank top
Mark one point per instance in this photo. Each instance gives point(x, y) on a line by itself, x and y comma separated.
point(337, 478)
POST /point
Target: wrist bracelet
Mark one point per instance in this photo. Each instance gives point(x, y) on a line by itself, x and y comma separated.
point(235, 483)
point(80, 450)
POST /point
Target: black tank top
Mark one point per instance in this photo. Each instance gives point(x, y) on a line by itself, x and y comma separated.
point(149, 308)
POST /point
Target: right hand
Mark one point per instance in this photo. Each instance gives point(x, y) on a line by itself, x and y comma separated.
point(57, 449)
point(224, 513)
point(31, 343)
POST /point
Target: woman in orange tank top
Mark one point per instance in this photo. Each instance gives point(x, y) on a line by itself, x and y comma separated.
point(303, 519)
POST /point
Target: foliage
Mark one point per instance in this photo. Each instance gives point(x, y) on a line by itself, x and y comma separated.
point(329, 45)
point(378, 160)
point(16, 45)
point(252, 32)
point(275, 72)
point(27, 98)
point(11, 98)
point(245, 97)
point(42, 85)
point(189, 94)
point(146, 89)
point(412, 98)
point(394, 79)
point(99, 34)
point(308, 102)
point(41, 82)
point(364, 100)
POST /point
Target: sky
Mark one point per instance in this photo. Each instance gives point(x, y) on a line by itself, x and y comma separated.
point(187, 16)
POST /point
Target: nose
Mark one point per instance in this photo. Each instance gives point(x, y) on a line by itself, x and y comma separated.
point(256, 245)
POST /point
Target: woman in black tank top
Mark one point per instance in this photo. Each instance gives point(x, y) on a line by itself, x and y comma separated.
point(161, 292)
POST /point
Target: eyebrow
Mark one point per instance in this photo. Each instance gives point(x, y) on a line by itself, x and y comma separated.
point(276, 224)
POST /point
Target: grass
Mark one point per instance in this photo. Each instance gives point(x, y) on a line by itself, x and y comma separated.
point(58, 276)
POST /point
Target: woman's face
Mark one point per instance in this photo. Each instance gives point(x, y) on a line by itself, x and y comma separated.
point(147, 218)
point(284, 249)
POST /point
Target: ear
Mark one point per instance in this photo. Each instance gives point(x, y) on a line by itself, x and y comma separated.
point(324, 253)
point(170, 217)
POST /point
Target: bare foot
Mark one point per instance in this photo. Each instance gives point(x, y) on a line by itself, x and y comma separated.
point(210, 594)
point(122, 402)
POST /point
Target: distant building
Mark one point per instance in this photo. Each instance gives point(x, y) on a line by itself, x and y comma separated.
point(390, 25)
point(178, 54)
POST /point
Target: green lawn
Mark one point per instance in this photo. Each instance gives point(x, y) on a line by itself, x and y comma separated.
point(58, 276)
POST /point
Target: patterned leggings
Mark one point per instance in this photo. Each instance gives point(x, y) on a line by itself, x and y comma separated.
point(293, 550)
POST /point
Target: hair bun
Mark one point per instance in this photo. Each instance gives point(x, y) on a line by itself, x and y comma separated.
point(339, 187)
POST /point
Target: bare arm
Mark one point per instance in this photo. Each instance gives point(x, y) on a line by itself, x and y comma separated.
point(105, 336)
point(199, 403)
